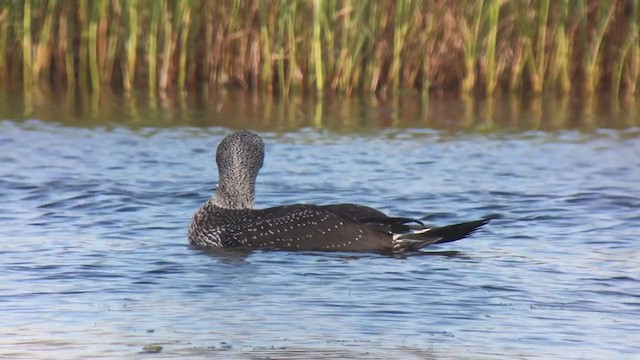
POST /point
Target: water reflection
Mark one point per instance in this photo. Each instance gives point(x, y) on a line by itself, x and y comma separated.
point(236, 256)
point(268, 112)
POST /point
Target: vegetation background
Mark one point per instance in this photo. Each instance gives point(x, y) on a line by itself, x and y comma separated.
point(323, 46)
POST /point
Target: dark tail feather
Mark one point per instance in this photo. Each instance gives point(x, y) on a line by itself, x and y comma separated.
point(437, 235)
point(457, 231)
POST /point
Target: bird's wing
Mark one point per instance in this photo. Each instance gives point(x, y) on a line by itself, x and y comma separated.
point(307, 227)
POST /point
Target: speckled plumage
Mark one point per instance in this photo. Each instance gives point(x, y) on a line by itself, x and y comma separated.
point(228, 219)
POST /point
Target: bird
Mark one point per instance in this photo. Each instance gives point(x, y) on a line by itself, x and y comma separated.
point(228, 219)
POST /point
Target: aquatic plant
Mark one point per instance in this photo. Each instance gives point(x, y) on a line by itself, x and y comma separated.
point(319, 46)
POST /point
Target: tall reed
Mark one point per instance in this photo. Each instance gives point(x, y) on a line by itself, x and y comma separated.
point(594, 42)
point(4, 39)
point(131, 45)
point(625, 70)
point(471, 26)
point(493, 15)
point(318, 46)
point(27, 62)
point(558, 75)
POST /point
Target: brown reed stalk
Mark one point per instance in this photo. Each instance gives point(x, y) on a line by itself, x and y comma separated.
point(27, 63)
point(294, 73)
point(628, 56)
point(379, 19)
point(633, 72)
point(558, 74)
point(4, 40)
point(592, 60)
point(184, 19)
point(208, 43)
point(110, 28)
point(426, 36)
point(370, 40)
point(541, 44)
point(83, 47)
point(534, 40)
point(350, 49)
point(43, 49)
point(493, 15)
point(66, 34)
point(266, 77)
point(169, 44)
point(329, 30)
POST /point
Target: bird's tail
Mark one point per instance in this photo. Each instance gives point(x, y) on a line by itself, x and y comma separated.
point(415, 237)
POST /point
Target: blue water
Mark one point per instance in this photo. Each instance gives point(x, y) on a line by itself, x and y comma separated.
point(94, 261)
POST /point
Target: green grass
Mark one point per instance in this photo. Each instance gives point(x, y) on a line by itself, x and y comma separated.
point(324, 46)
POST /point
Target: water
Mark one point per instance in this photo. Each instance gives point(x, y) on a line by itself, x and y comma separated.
point(94, 261)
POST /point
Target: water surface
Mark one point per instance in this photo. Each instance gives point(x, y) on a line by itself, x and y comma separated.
point(94, 261)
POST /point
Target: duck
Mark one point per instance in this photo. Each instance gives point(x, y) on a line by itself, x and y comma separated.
point(228, 219)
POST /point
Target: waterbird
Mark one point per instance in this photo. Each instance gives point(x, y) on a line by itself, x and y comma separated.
point(229, 220)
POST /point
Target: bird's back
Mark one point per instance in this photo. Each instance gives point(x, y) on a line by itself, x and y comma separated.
point(291, 227)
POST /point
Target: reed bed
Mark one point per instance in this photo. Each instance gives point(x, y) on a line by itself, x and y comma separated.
point(323, 46)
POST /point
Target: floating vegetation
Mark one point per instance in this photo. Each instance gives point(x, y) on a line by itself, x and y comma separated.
point(152, 349)
point(323, 46)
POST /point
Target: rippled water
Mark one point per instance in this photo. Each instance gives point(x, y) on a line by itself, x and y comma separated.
point(94, 261)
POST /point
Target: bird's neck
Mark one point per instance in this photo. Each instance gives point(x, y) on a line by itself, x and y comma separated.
point(235, 192)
